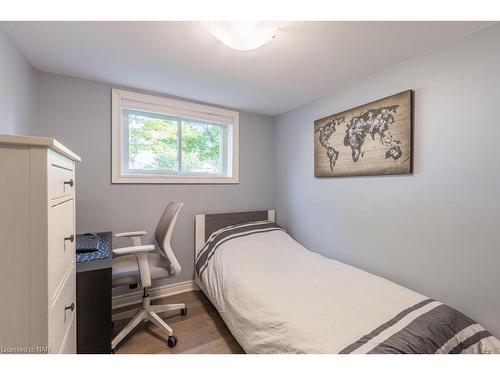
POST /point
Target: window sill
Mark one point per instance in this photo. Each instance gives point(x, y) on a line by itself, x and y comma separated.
point(128, 179)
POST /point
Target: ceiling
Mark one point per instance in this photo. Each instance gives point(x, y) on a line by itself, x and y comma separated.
point(305, 61)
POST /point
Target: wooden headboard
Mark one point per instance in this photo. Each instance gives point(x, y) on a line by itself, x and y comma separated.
point(205, 225)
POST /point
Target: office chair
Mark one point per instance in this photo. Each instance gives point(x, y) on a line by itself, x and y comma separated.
point(139, 264)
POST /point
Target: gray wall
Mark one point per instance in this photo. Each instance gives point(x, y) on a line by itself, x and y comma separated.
point(78, 113)
point(17, 89)
point(437, 230)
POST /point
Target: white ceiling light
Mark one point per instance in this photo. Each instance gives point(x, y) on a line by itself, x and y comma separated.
point(243, 36)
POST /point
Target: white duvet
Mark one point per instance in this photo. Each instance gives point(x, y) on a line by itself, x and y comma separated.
point(278, 297)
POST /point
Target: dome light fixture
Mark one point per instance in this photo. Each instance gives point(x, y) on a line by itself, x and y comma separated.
point(243, 36)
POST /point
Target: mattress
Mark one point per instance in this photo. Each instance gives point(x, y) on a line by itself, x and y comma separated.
point(276, 296)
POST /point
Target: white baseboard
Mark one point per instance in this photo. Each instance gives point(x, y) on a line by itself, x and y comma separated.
point(158, 292)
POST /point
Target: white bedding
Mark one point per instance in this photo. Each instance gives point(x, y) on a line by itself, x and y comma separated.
point(278, 297)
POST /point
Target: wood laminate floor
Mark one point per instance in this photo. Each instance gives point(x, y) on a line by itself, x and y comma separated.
point(202, 330)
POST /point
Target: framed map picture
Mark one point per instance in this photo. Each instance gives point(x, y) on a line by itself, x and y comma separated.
point(372, 139)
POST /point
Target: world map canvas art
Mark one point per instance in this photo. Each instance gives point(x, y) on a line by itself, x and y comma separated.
point(372, 139)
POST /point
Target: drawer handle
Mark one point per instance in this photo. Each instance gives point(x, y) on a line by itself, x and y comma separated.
point(70, 238)
point(70, 307)
point(70, 182)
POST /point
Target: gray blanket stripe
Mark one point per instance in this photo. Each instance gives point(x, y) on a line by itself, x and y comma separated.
point(222, 233)
point(363, 340)
point(474, 339)
point(229, 229)
point(224, 236)
point(232, 238)
point(427, 333)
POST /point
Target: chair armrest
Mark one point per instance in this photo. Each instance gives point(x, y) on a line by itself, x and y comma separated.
point(141, 255)
point(131, 234)
point(131, 250)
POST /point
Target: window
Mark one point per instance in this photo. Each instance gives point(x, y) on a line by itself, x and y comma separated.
point(159, 140)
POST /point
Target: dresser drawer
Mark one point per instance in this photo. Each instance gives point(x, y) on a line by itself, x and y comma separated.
point(61, 241)
point(61, 176)
point(68, 345)
point(62, 312)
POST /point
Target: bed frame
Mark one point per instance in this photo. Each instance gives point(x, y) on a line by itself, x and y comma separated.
point(205, 225)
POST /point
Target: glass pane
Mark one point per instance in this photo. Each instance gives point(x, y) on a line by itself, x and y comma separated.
point(152, 142)
point(201, 148)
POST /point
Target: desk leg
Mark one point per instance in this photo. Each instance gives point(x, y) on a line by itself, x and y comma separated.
point(93, 295)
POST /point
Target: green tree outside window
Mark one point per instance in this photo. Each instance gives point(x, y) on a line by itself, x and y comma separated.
point(153, 144)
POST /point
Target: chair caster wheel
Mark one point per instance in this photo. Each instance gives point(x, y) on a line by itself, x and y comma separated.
point(184, 311)
point(113, 351)
point(171, 341)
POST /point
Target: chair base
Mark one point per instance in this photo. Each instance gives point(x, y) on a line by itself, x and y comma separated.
point(148, 312)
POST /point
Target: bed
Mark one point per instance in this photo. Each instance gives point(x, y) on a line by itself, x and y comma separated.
point(278, 297)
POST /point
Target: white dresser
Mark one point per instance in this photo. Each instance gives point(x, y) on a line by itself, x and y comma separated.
point(37, 246)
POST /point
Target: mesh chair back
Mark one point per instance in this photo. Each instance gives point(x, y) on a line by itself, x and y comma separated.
point(166, 225)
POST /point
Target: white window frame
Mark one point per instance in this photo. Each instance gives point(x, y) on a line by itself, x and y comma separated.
point(149, 103)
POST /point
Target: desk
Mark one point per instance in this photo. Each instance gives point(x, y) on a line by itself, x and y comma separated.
point(93, 298)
